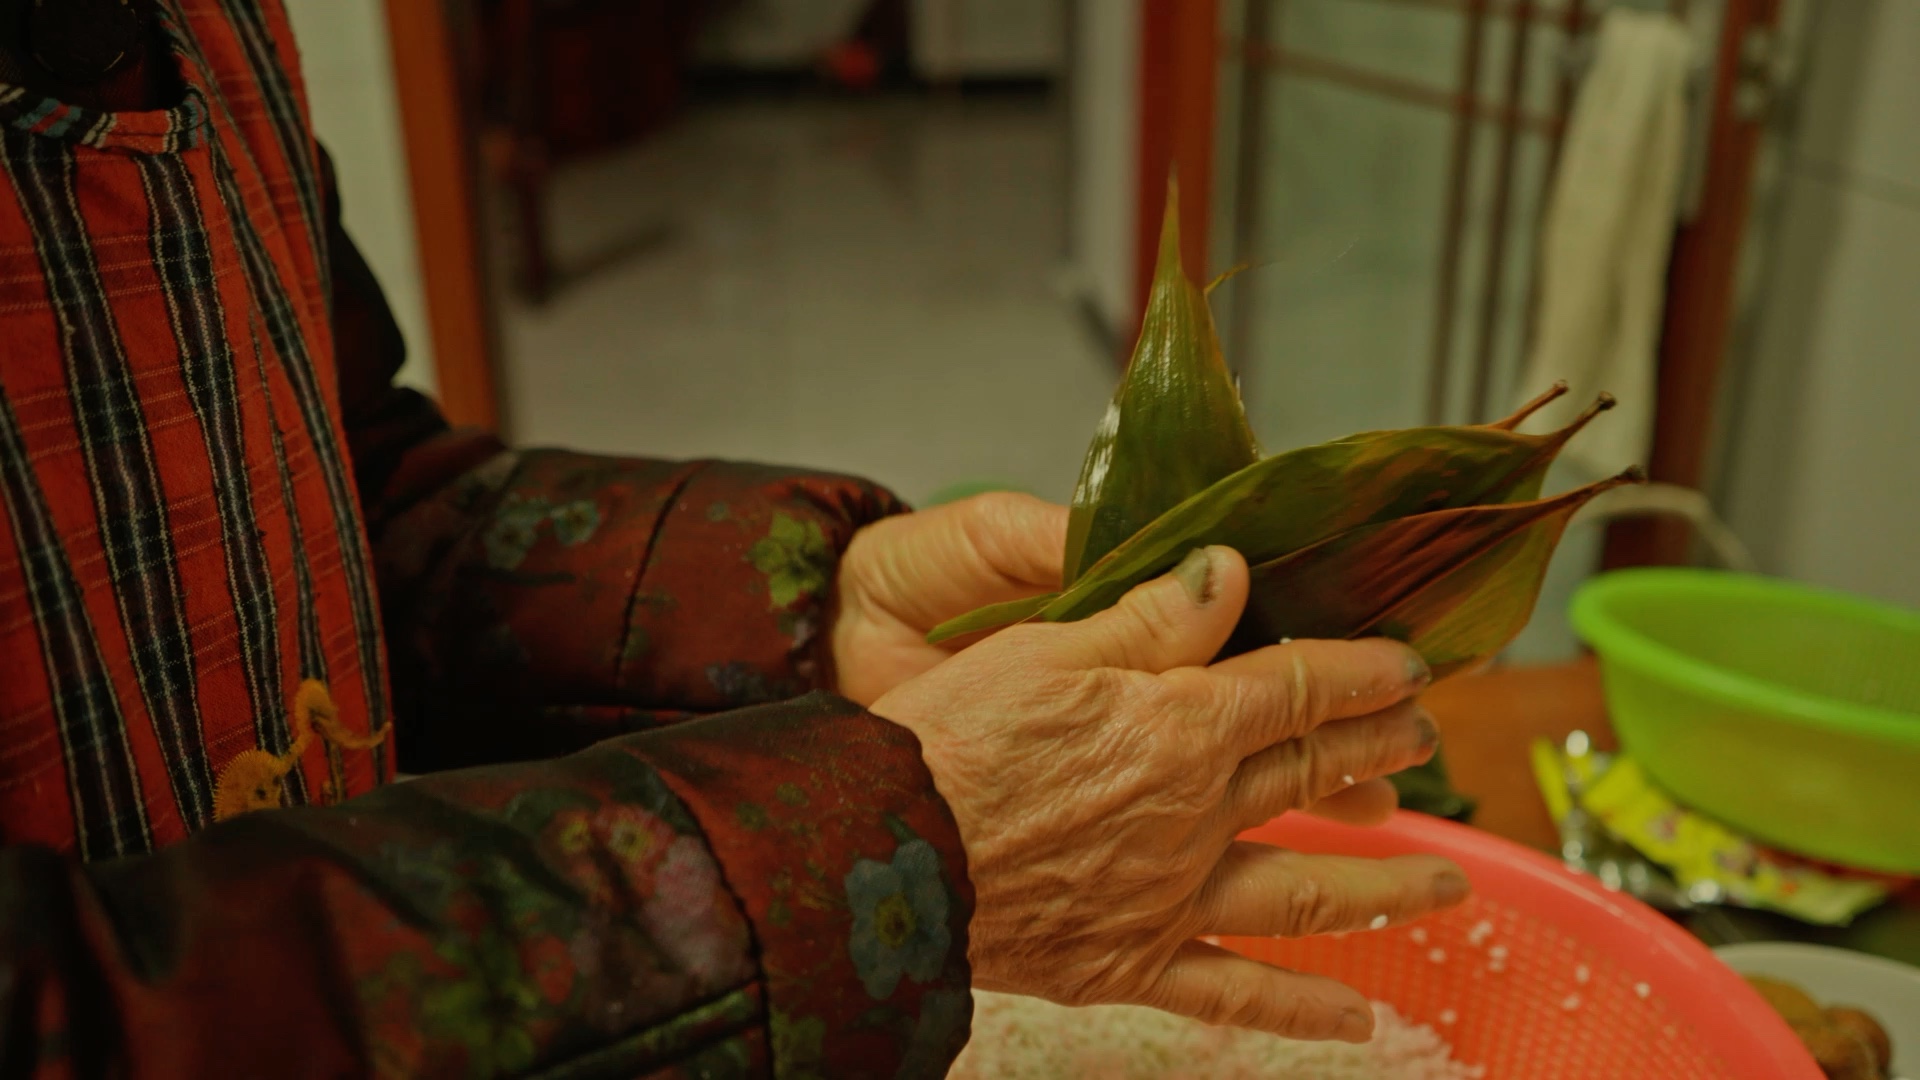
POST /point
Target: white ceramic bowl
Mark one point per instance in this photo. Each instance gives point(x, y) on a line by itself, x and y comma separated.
point(1886, 988)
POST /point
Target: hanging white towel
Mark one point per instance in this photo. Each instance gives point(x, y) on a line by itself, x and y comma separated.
point(1607, 233)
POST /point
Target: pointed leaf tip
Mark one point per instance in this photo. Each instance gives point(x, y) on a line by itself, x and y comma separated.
point(1552, 394)
point(1176, 424)
point(1600, 404)
point(1227, 275)
point(1169, 255)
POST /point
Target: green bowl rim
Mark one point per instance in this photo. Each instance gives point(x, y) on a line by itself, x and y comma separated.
point(1613, 639)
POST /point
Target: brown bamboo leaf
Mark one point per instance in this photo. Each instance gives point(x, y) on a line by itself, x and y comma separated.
point(1553, 393)
point(1293, 500)
point(1175, 425)
point(1456, 584)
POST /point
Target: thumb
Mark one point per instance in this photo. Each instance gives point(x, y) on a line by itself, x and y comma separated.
point(1178, 620)
point(930, 566)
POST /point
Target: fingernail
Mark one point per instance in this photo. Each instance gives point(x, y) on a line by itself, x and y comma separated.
point(1429, 732)
point(1356, 1026)
point(1195, 574)
point(1450, 888)
point(1418, 673)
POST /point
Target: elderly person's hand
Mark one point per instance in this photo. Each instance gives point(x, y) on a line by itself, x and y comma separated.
point(905, 575)
point(1100, 771)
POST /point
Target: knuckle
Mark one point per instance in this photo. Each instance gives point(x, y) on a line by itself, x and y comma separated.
point(1189, 690)
point(996, 521)
point(1313, 908)
point(1306, 698)
point(1034, 639)
point(1311, 1020)
point(1298, 785)
point(1235, 1003)
point(1156, 624)
point(999, 506)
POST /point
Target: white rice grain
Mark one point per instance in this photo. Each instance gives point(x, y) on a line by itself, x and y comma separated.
point(1021, 1038)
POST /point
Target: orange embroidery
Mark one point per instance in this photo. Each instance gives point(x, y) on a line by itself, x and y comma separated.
point(317, 704)
point(256, 779)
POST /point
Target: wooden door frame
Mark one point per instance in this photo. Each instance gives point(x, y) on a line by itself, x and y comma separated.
point(1179, 85)
point(442, 168)
point(1702, 277)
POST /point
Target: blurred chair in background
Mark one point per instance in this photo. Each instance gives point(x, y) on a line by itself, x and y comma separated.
point(562, 79)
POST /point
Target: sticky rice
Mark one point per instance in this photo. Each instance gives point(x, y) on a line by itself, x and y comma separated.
point(1022, 1038)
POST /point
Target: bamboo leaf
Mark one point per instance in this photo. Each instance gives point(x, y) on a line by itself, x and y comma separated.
point(1175, 425)
point(990, 617)
point(1456, 584)
point(1292, 500)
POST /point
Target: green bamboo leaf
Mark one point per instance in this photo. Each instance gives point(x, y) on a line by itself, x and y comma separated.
point(1456, 584)
point(1005, 613)
point(1175, 425)
point(1293, 500)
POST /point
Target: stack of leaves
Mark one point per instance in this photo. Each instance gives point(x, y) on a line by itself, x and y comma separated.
point(1435, 536)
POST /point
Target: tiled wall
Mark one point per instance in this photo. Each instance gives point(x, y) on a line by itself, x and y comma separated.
point(1348, 222)
point(349, 72)
point(1822, 470)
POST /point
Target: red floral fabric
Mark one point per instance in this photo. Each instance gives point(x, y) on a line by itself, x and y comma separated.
point(748, 894)
point(240, 568)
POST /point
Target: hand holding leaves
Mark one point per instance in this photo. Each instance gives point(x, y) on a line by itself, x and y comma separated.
point(1434, 536)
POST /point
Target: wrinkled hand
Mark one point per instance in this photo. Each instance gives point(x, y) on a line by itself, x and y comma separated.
point(905, 575)
point(1099, 772)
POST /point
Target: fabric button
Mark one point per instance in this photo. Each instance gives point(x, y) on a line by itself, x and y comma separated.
point(82, 40)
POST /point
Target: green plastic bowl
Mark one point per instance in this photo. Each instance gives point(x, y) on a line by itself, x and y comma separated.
point(1789, 713)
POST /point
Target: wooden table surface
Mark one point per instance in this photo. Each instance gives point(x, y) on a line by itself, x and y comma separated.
point(1488, 722)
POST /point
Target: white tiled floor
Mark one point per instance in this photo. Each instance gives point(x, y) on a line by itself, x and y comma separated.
point(865, 287)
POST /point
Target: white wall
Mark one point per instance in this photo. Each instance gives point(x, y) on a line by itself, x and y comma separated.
point(776, 33)
point(1105, 167)
point(1823, 468)
point(985, 38)
point(949, 37)
point(349, 74)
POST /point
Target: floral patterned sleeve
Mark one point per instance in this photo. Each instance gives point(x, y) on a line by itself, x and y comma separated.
point(770, 891)
point(774, 890)
point(545, 599)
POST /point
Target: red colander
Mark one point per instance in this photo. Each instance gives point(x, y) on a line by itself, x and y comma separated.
point(1543, 974)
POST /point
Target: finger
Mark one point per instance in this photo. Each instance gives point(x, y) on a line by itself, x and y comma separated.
point(1180, 619)
point(1216, 986)
point(1295, 774)
point(1368, 803)
point(1261, 891)
point(1284, 691)
point(927, 567)
point(1019, 538)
